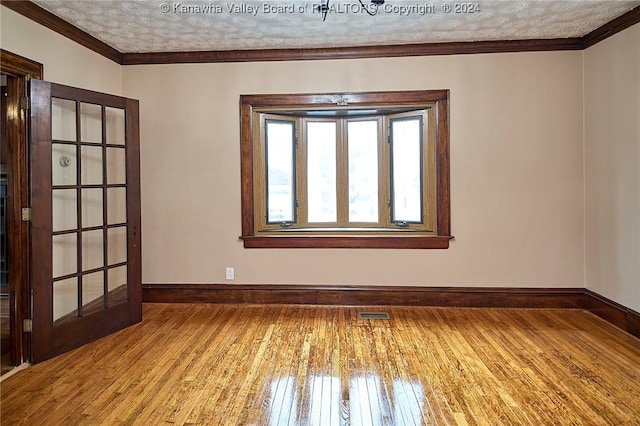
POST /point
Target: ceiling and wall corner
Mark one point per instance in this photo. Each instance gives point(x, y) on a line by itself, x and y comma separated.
point(65, 61)
point(197, 31)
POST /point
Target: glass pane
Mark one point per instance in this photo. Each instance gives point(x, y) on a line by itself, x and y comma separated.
point(116, 166)
point(92, 292)
point(116, 205)
point(65, 255)
point(63, 167)
point(117, 245)
point(321, 172)
point(117, 278)
point(280, 172)
point(63, 119)
point(115, 125)
point(406, 189)
point(90, 123)
point(91, 165)
point(65, 299)
point(65, 209)
point(92, 208)
point(363, 171)
point(92, 250)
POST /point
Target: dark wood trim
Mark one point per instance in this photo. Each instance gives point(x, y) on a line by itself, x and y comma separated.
point(20, 70)
point(607, 30)
point(365, 295)
point(43, 17)
point(622, 317)
point(19, 66)
point(51, 21)
point(356, 52)
point(347, 241)
point(458, 297)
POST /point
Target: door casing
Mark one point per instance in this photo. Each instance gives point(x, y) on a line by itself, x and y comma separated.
point(19, 70)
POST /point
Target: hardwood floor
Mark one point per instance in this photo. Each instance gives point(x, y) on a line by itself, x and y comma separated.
point(266, 365)
point(5, 338)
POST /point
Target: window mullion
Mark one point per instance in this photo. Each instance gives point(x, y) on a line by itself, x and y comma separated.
point(301, 162)
point(384, 174)
point(342, 173)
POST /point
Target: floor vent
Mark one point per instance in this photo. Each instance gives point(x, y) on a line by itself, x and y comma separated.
point(373, 315)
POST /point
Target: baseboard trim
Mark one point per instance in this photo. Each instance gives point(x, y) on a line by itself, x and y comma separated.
point(614, 313)
point(365, 295)
point(463, 297)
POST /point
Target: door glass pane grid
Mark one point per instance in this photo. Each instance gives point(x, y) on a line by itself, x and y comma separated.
point(89, 168)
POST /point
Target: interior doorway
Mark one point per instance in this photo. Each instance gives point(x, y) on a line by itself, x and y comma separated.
point(16, 72)
point(5, 342)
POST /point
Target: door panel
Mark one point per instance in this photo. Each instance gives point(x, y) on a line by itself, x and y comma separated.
point(85, 240)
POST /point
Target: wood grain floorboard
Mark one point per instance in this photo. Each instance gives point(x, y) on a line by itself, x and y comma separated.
point(321, 365)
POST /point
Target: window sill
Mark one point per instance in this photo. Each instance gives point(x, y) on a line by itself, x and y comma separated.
point(347, 241)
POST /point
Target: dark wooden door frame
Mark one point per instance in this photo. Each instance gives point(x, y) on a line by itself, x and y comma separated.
point(20, 70)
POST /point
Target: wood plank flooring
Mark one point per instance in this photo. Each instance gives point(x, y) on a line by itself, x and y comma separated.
point(5, 337)
point(317, 365)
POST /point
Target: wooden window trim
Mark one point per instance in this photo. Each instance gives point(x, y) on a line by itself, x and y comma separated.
point(310, 239)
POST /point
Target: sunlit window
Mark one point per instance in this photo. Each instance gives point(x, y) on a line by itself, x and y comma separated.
point(345, 174)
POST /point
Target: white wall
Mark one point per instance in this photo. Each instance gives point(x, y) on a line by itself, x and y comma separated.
point(516, 171)
point(612, 167)
point(65, 61)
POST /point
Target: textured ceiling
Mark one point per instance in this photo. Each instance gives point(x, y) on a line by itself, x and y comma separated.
point(196, 25)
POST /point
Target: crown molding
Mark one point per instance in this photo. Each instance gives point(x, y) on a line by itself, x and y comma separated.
point(607, 30)
point(47, 19)
point(36, 13)
point(356, 52)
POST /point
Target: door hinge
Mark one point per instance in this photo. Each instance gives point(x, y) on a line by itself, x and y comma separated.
point(27, 214)
point(27, 325)
point(25, 102)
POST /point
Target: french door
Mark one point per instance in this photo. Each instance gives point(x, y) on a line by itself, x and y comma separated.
point(85, 224)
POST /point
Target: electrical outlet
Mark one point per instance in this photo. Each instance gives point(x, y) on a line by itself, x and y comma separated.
point(229, 273)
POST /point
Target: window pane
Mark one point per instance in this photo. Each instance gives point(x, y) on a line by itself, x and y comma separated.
point(90, 123)
point(363, 171)
point(65, 299)
point(63, 164)
point(116, 205)
point(65, 254)
point(92, 250)
point(92, 292)
point(115, 125)
point(406, 193)
point(92, 209)
point(63, 119)
point(321, 172)
point(65, 209)
point(91, 165)
point(280, 171)
point(117, 278)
